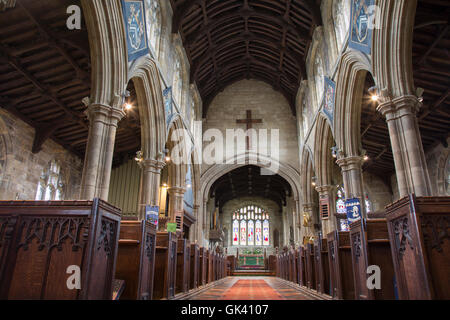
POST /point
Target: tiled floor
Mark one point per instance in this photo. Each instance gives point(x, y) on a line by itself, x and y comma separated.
point(251, 288)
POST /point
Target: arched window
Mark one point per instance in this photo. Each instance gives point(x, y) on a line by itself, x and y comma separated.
point(51, 186)
point(177, 82)
point(153, 17)
point(341, 20)
point(251, 227)
point(368, 204)
point(319, 78)
point(305, 115)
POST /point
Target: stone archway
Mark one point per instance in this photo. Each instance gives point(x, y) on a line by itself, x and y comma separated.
point(216, 171)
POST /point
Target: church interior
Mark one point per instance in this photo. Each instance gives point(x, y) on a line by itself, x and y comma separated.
point(224, 150)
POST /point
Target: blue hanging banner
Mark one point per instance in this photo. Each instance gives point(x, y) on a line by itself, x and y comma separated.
point(168, 105)
point(152, 214)
point(135, 28)
point(361, 25)
point(353, 210)
point(329, 100)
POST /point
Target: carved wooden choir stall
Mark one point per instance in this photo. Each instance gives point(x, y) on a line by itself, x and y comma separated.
point(369, 240)
point(136, 259)
point(194, 265)
point(340, 263)
point(409, 243)
point(419, 237)
point(42, 241)
point(183, 265)
point(165, 266)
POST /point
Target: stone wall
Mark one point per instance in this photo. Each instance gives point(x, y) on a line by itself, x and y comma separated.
point(20, 172)
point(266, 104)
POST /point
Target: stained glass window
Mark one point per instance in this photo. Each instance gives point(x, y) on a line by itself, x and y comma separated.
point(51, 186)
point(266, 232)
point(340, 201)
point(243, 232)
point(258, 234)
point(235, 232)
point(251, 227)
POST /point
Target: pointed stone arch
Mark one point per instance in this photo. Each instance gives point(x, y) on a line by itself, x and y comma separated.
point(351, 75)
point(147, 81)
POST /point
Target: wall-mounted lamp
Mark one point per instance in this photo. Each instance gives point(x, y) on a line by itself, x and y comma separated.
point(125, 105)
point(166, 155)
point(139, 156)
point(419, 94)
point(375, 96)
point(334, 152)
point(314, 181)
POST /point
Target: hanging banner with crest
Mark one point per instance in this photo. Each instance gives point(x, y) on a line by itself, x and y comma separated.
point(135, 28)
point(329, 100)
point(361, 25)
point(168, 105)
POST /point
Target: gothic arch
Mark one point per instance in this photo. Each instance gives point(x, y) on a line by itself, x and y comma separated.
point(392, 48)
point(307, 173)
point(322, 151)
point(315, 52)
point(146, 78)
point(443, 162)
point(176, 143)
point(108, 51)
point(216, 171)
point(351, 75)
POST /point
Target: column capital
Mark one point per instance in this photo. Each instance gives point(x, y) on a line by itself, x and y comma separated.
point(398, 107)
point(349, 163)
point(176, 190)
point(149, 164)
point(327, 189)
point(105, 113)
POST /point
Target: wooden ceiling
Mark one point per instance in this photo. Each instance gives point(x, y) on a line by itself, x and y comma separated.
point(230, 40)
point(431, 66)
point(45, 72)
point(248, 181)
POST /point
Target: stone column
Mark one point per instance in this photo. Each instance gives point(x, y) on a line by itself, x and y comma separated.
point(150, 184)
point(353, 179)
point(176, 195)
point(328, 225)
point(410, 165)
point(99, 151)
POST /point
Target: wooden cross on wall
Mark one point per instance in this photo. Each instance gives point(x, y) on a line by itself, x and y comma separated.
point(249, 122)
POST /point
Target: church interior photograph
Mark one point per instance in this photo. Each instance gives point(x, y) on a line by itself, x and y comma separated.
point(224, 150)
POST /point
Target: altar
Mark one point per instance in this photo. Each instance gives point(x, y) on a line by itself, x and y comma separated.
point(254, 258)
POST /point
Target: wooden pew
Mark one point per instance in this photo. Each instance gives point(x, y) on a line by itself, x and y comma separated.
point(310, 266)
point(292, 271)
point(232, 261)
point(136, 259)
point(40, 240)
point(340, 264)
point(202, 270)
point(322, 270)
point(183, 265)
point(195, 263)
point(301, 269)
point(272, 263)
point(165, 265)
point(420, 244)
point(370, 246)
